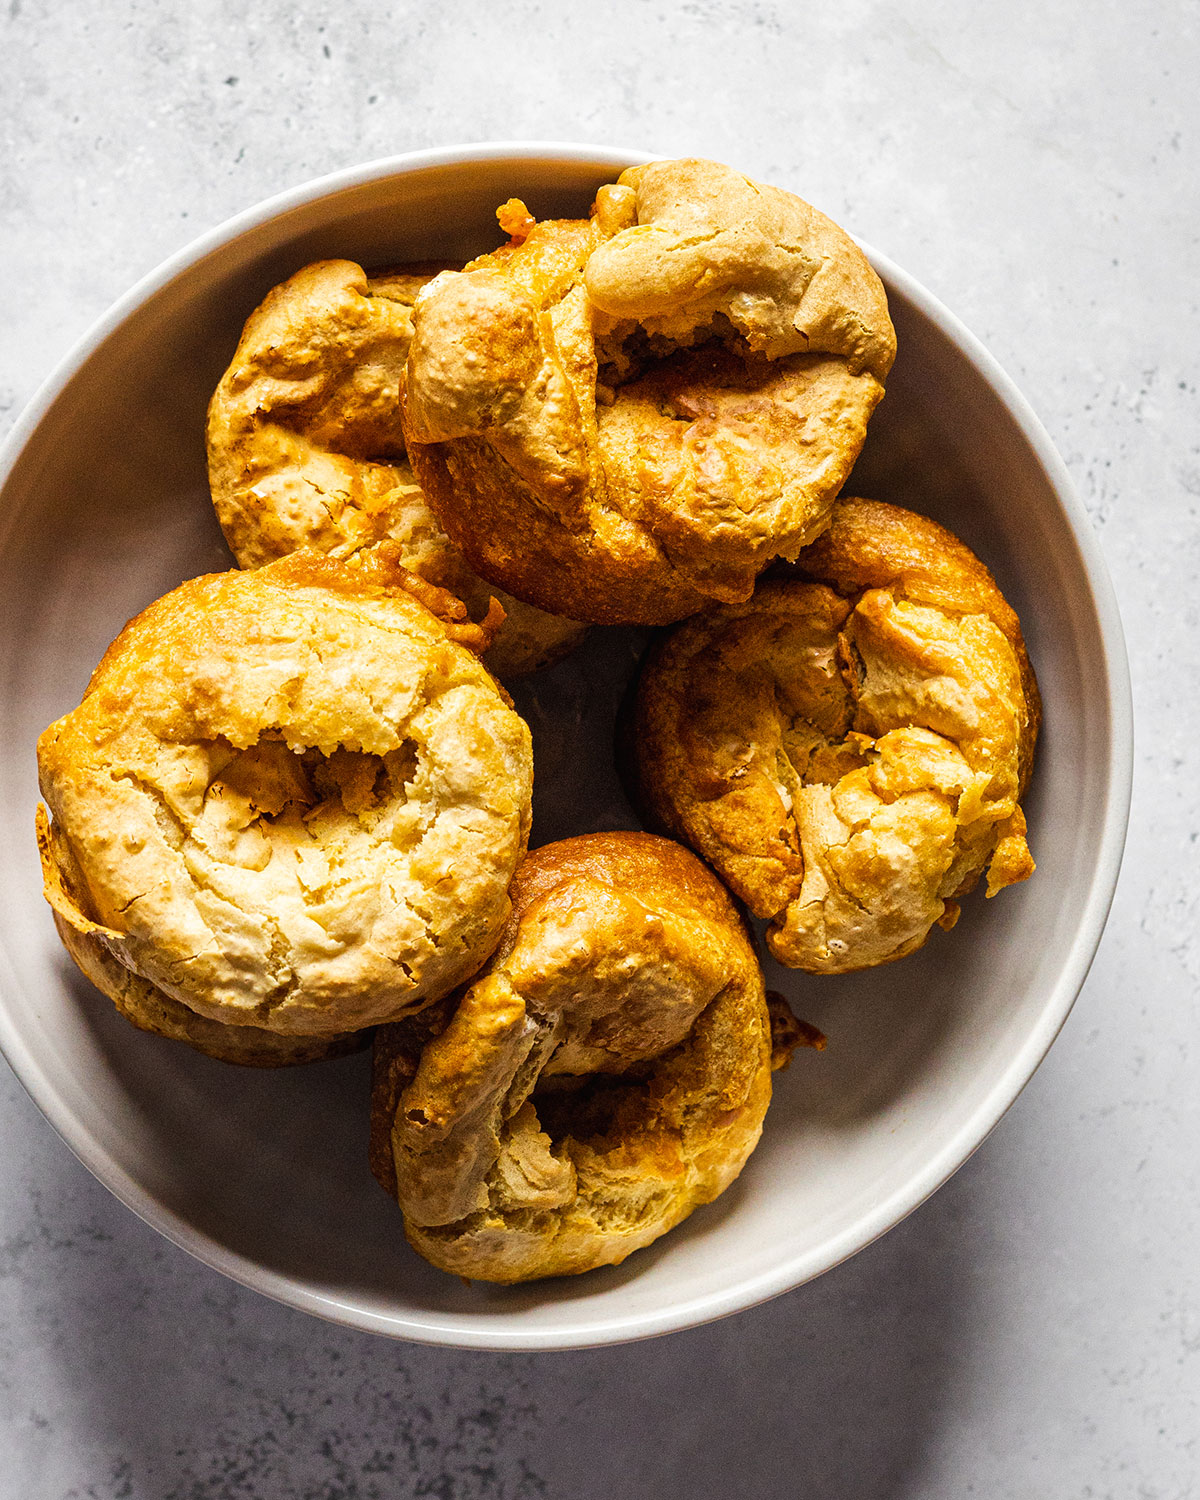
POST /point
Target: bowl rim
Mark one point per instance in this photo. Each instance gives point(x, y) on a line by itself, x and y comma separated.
point(589, 1331)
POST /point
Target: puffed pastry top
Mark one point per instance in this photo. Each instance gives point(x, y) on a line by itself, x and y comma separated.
point(292, 799)
point(623, 417)
point(305, 448)
point(606, 1072)
point(848, 748)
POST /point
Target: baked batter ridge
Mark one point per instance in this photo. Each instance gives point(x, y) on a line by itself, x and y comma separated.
point(624, 417)
point(291, 799)
point(848, 748)
point(305, 449)
point(607, 1072)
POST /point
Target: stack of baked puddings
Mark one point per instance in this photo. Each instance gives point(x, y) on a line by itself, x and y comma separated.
point(291, 813)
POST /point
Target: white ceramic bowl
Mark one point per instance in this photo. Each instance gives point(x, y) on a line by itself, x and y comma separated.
point(263, 1175)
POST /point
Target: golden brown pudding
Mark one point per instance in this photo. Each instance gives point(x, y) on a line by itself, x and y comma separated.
point(290, 799)
point(621, 418)
point(848, 748)
point(606, 1072)
point(305, 448)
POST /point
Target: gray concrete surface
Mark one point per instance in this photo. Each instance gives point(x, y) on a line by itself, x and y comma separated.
point(1035, 1329)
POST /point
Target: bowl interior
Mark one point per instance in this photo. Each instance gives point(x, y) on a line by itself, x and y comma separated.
point(264, 1175)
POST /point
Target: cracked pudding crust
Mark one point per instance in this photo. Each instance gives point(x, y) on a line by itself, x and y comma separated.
point(847, 749)
point(144, 1004)
point(305, 448)
point(622, 418)
point(605, 1074)
point(290, 799)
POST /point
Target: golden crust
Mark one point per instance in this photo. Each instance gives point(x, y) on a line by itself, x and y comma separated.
point(305, 448)
point(621, 418)
point(848, 748)
point(144, 1004)
point(291, 799)
point(605, 1074)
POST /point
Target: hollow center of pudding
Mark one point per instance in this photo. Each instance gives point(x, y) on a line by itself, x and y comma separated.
point(262, 825)
point(628, 352)
point(268, 800)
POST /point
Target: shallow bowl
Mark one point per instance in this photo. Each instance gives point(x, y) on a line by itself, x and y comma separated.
point(263, 1175)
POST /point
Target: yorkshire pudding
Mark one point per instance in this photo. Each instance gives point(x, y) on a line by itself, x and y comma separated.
point(606, 1073)
point(290, 800)
point(621, 418)
point(305, 448)
point(847, 749)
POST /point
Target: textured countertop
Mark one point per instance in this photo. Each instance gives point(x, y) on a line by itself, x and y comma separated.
point(1034, 1330)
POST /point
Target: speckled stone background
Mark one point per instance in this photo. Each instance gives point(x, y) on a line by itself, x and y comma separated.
point(1035, 1329)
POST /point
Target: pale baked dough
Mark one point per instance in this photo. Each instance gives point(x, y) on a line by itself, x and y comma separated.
point(621, 418)
point(144, 1004)
point(606, 1073)
point(305, 448)
point(847, 749)
point(291, 799)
